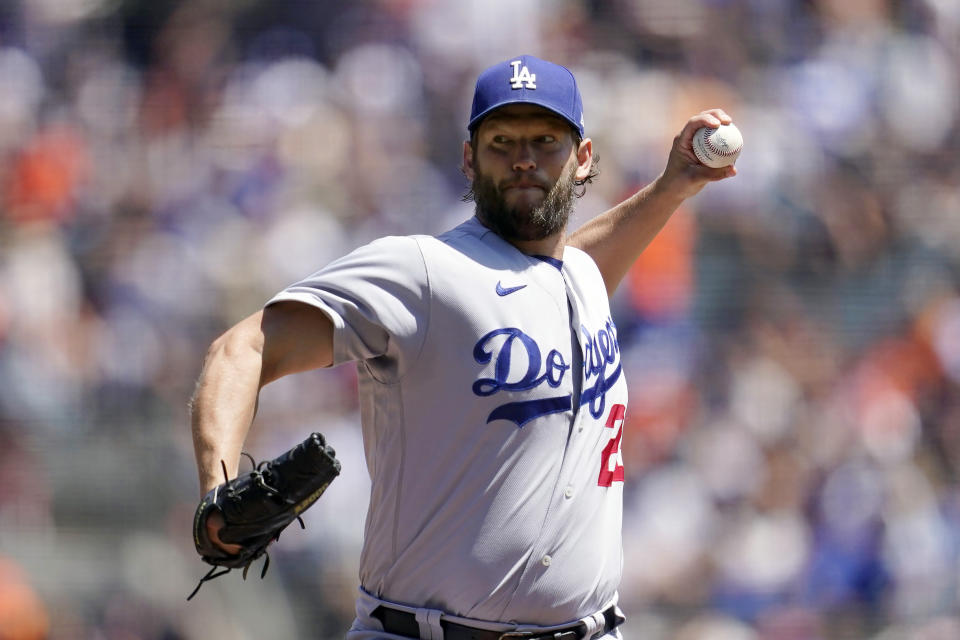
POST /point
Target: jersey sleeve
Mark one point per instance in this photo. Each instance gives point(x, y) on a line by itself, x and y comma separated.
point(376, 297)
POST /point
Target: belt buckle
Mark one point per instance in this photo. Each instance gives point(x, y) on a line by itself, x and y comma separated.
point(570, 634)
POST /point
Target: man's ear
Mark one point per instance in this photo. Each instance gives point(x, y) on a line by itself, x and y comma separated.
point(467, 166)
point(584, 158)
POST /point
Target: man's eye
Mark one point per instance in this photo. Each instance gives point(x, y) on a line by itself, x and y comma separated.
point(500, 139)
point(547, 139)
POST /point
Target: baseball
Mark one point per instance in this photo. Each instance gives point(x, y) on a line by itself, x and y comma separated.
point(717, 147)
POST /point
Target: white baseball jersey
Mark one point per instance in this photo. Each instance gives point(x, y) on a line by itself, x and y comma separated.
point(492, 406)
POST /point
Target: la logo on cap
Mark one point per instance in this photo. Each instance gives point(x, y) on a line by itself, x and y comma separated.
point(522, 78)
point(526, 79)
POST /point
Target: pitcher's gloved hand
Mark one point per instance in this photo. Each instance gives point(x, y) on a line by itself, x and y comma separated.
point(257, 505)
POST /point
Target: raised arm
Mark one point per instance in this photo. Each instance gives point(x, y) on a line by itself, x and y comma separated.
point(285, 338)
point(616, 237)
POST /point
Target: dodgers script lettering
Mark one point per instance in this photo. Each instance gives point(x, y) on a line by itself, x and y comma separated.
point(519, 365)
point(600, 351)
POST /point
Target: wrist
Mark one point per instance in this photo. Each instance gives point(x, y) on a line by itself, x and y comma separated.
point(668, 191)
point(212, 476)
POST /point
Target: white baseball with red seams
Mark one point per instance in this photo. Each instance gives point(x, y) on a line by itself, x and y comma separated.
point(717, 147)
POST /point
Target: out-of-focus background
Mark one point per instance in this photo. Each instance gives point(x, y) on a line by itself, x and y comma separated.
point(792, 339)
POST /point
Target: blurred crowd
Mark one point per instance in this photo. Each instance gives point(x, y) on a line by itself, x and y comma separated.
point(792, 338)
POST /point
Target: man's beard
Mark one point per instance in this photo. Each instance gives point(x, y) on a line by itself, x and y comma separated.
point(524, 223)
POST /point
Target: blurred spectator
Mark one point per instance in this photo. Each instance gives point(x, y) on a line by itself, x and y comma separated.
point(22, 615)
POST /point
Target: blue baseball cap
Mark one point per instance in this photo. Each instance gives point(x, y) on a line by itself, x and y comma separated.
point(525, 79)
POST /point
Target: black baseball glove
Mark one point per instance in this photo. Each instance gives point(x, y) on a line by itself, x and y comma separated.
point(257, 505)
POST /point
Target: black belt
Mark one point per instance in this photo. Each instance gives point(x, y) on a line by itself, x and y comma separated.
point(402, 623)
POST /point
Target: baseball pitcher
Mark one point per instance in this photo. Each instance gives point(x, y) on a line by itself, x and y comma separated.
point(493, 396)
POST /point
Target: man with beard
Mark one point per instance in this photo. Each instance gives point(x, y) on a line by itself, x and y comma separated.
point(492, 393)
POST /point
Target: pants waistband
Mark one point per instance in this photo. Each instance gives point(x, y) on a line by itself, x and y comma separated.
point(404, 623)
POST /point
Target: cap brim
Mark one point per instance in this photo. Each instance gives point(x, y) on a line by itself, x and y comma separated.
point(473, 124)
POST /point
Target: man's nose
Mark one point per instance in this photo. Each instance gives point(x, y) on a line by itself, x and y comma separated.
point(524, 159)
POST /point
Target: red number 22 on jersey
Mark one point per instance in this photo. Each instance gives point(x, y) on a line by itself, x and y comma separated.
point(611, 462)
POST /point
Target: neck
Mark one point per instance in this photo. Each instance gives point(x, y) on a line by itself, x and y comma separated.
point(551, 246)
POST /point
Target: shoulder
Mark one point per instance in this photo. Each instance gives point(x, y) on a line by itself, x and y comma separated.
point(400, 247)
point(398, 253)
point(469, 232)
point(472, 242)
point(580, 261)
point(467, 243)
point(583, 273)
point(391, 246)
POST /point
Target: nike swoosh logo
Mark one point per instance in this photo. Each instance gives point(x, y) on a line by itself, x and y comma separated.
point(505, 291)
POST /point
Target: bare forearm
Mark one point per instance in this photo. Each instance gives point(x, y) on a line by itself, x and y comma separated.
point(223, 408)
point(615, 238)
point(284, 338)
